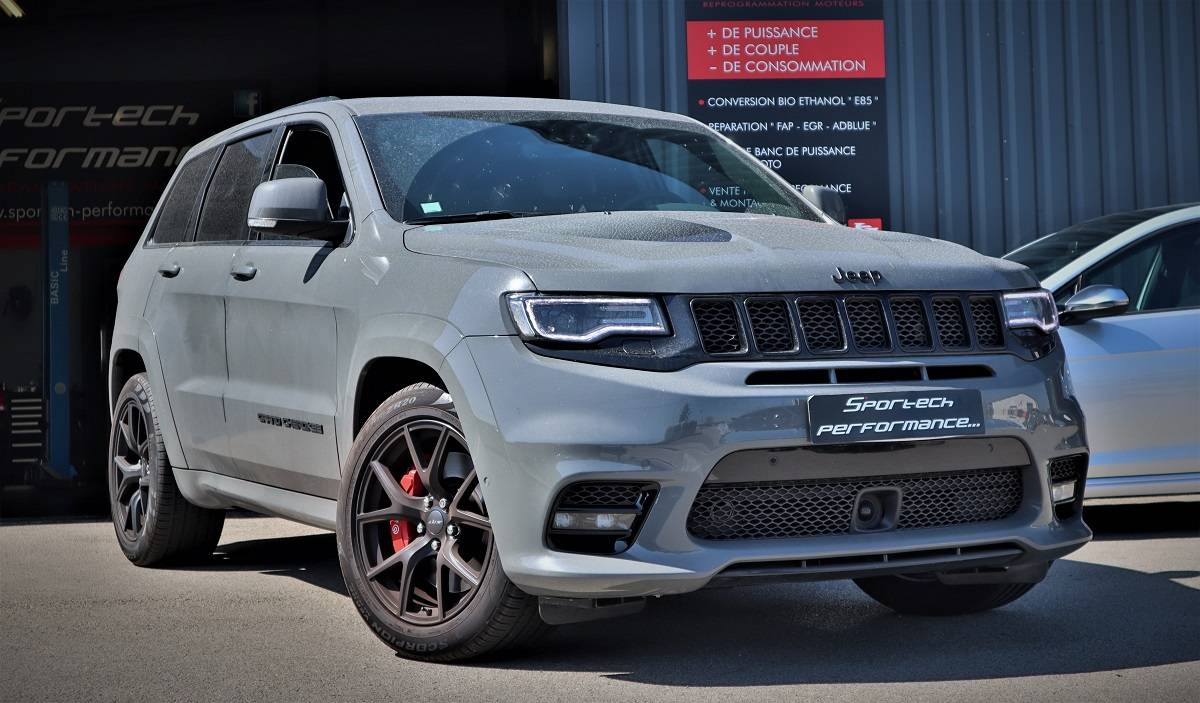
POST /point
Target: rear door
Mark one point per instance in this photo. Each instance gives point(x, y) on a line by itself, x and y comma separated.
point(1137, 375)
point(186, 306)
point(282, 336)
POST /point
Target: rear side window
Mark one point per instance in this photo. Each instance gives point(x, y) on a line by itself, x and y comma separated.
point(176, 219)
point(223, 217)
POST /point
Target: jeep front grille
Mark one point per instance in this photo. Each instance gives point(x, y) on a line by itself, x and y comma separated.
point(805, 508)
point(798, 326)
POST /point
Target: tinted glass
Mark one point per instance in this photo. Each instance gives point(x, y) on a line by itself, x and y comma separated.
point(1052, 252)
point(223, 217)
point(534, 163)
point(175, 221)
point(1162, 273)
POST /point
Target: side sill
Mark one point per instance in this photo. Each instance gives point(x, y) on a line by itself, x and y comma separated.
point(211, 490)
point(1140, 486)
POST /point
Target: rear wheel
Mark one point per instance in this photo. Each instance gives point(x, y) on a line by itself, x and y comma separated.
point(925, 595)
point(153, 521)
point(415, 541)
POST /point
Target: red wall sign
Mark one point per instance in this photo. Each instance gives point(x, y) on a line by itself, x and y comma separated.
point(782, 49)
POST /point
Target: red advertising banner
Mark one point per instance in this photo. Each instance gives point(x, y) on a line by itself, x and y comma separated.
point(783, 49)
point(865, 222)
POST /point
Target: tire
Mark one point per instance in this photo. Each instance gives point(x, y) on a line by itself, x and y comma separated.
point(928, 596)
point(153, 521)
point(414, 542)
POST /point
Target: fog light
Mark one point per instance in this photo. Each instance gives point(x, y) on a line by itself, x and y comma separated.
point(1063, 492)
point(579, 520)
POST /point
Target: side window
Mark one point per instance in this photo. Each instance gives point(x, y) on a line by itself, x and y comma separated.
point(1161, 273)
point(308, 153)
point(223, 217)
point(176, 218)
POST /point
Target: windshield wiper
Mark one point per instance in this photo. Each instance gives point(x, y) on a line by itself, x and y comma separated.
point(480, 216)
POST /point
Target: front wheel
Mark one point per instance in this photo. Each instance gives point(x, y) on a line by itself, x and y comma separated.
point(926, 595)
point(415, 541)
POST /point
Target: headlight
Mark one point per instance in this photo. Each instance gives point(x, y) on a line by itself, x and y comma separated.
point(1031, 309)
point(584, 319)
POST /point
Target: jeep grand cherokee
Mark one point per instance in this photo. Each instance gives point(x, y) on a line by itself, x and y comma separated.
point(536, 361)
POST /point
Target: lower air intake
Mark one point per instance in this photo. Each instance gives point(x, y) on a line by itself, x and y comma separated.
point(781, 509)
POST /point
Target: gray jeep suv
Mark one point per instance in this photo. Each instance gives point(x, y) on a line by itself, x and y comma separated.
point(536, 361)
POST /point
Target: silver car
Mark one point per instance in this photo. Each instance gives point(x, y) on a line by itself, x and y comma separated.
point(1128, 287)
point(536, 361)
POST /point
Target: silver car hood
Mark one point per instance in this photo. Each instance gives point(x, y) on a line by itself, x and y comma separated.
point(702, 252)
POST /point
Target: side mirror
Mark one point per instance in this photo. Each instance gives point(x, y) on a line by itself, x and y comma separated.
point(1093, 302)
point(294, 206)
point(827, 200)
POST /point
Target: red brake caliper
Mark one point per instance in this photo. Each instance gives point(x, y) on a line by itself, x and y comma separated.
point(403, 531)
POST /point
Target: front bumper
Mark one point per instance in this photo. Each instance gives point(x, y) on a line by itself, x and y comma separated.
point(537, 424)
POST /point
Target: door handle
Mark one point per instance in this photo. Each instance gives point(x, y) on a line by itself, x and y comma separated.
point(169, 270)
point(243, 272)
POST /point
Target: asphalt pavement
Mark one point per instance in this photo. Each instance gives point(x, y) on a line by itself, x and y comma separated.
point(268, 619)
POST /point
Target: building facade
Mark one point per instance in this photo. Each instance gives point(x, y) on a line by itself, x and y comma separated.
point(986, 123)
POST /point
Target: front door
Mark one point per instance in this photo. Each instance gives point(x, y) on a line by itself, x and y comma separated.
point(282, 340)
point(1137, 375)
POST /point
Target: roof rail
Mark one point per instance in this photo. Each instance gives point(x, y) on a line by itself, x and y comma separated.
point(324, 99)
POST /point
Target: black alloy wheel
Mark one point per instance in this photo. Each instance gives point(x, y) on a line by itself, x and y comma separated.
point(154, 522)
point(421, 530)
point(129, 468)
point(415, 540)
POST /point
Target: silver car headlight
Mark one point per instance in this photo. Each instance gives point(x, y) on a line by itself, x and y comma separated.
point(1031, 309)
point(584, 319)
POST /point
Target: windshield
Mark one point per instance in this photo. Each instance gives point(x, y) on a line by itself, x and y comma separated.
point(1047, 255)
point(442, 165)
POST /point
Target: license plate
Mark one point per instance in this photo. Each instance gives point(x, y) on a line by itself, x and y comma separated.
point(863, 417)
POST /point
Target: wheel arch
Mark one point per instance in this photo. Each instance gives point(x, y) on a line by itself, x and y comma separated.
point(381, 377)
point(392, 352)
point(389, 353)
point(125, 364)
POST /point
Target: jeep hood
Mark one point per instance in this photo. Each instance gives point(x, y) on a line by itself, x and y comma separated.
point(703, 252)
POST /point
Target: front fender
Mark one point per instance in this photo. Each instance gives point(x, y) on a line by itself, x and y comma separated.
point(422, 338)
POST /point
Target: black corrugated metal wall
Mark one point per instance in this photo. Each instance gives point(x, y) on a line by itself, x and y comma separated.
point(1007, 119)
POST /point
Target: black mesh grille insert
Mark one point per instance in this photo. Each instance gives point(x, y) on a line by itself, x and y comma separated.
point(717, 322)
point(771, 324)
point(780, 509)
point(987, 322)
point(868, 327)
point(588, 495)
point(951, 325)
point(1067, 468)
point(821, 324)
point(912, 327)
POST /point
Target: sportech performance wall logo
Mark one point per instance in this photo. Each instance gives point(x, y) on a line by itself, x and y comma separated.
point(87, 117)
point(74, 128)
point(114, 144)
